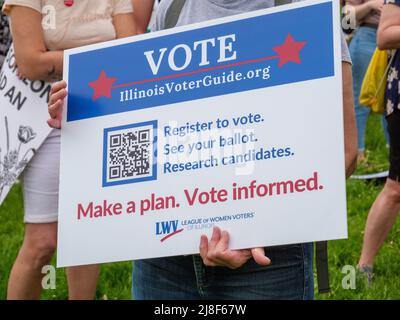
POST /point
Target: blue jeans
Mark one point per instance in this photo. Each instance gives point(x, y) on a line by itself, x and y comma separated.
point(362, 48)
point(290, 276)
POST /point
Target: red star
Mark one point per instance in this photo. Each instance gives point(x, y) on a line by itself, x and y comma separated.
point(102, 86)
point(289, 51)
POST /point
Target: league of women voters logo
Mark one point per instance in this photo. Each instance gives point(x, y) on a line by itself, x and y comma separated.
point(167, 229)
point(287, 52)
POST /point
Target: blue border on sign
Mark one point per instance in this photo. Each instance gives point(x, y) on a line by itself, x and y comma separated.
point(129, 66)
point(105, 154)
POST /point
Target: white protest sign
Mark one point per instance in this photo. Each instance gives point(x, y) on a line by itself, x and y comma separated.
point(223, 123)
point(23, 127)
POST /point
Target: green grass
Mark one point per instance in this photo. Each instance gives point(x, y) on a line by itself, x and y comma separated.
point(115, 280)
point(360, 196)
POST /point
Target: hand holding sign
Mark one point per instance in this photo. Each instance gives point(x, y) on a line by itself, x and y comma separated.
point(56, 103)
point(142, 122)
point(216, 253)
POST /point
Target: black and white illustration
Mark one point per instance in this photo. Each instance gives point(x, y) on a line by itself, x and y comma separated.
point(23, 127)
point(14, 160)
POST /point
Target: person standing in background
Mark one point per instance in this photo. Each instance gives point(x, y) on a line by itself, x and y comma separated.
point(5, 36)
point(384, 211)
point(362, 47)
point(218, 272)
point(39, 55)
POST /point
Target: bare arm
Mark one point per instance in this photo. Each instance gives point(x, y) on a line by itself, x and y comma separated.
point(125, 25)
point(350, 130)
point(142, 13)
point(389, 28)
point(33, 59)
point(364, 9)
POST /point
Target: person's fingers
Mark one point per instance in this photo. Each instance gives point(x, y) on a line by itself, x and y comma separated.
point(203, 246)
point(218, 245)
point(58, 86)
point(212, 253)
point(233, 259)
point(210, 263)
point(222, 256)
point(260, 257)
point(54, 123)
point(216, 236)
point(217, 253)
point(55, 109)
point(223, 243)
point(55, 112)
point(59, 95)
point(204, 252)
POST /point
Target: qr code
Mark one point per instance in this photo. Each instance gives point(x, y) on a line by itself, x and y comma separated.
point(130, 154)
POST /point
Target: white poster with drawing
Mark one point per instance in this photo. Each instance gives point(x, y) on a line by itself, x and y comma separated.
point(23, 127)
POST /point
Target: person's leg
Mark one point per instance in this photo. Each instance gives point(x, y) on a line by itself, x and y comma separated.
point(40, 187)
point(381, 219)
point(385, 209)
point(25, 282)
point(361, 49)
point(82, 282)
point(289, 277)
point(165, 279)
point(41, 182)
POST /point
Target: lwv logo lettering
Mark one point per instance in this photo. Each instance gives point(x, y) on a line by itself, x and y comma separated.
point(167, 229)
